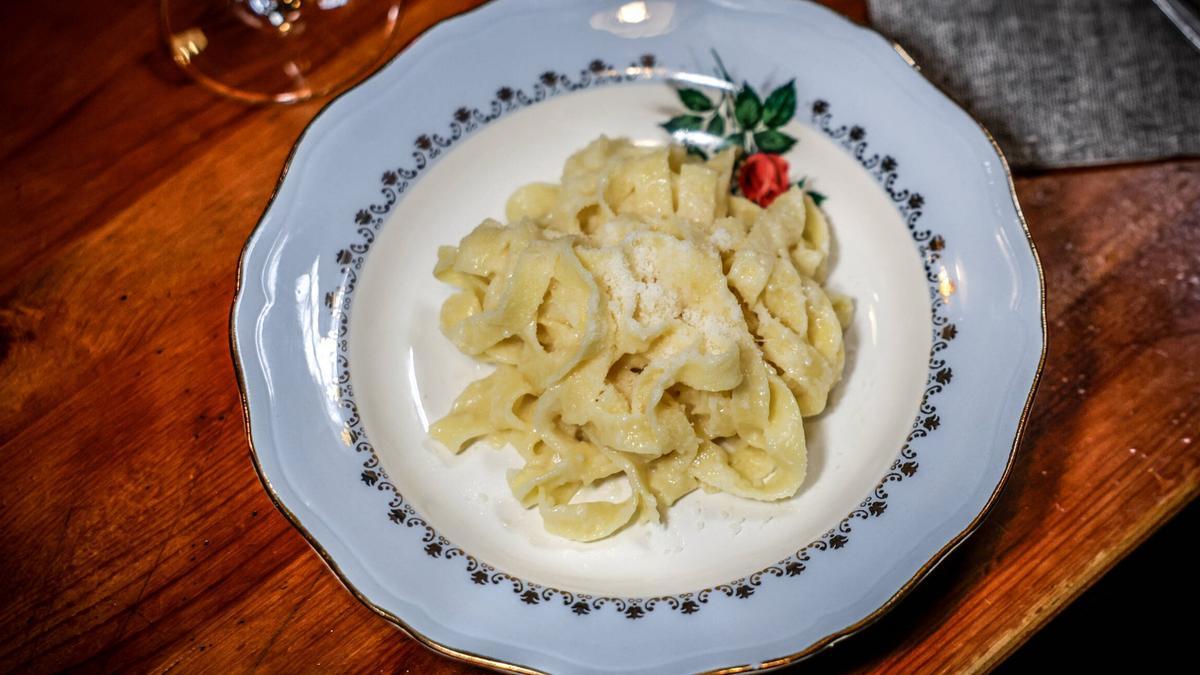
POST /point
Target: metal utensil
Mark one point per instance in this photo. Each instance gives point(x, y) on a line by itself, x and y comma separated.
point(1185, 14)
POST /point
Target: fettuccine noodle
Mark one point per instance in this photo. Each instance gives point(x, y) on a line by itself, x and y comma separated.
point(645, 325)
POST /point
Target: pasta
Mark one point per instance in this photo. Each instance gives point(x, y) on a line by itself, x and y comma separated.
point(645, 325)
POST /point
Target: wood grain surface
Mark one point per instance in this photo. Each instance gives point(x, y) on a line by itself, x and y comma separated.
point(134, 534)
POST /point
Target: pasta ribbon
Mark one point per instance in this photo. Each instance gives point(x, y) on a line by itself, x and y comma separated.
point(646, 326)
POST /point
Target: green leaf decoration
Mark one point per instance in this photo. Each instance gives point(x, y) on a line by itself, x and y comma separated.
point(780, 106)
point(716, 126)
point(747, 107)
point(683, 123)
point(695, 100)
point(737, 138)
point(817, 197)
point(694, 150)
point(721, 71)
point(773, 142)
point(800, 183)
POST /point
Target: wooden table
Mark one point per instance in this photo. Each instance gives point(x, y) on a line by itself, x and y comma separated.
point(136, 535)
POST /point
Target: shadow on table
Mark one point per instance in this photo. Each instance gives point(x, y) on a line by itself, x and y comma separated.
point(1141, 613)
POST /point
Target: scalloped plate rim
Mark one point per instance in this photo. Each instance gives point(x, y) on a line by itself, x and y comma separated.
point(937, 557)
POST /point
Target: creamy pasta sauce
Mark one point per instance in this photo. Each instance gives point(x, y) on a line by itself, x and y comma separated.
point(645, 325)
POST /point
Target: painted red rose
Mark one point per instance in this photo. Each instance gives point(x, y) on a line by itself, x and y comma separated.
point(763, 177)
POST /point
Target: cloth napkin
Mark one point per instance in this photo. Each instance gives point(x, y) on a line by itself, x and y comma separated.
point(1059, 82)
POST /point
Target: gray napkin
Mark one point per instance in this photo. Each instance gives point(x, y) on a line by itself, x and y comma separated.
point(1059, 82)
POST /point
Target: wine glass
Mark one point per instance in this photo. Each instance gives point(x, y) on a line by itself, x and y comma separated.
point(281, 51)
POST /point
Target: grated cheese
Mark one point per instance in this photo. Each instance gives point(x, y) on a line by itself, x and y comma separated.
point(721, 239)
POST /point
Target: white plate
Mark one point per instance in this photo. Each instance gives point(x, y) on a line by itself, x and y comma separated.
point(335, 335)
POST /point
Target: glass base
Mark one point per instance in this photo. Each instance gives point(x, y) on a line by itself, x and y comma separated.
point(280, 51)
